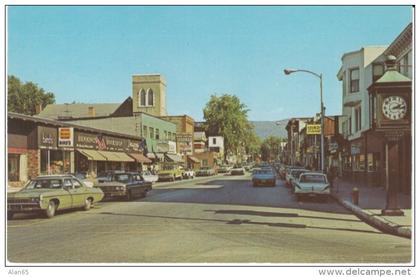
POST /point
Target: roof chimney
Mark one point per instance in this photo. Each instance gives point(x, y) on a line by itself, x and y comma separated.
point(38, 108)
point(91, 111)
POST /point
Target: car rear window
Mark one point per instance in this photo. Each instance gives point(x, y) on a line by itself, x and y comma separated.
point(123, 178)
point(312, 179)
point(45, 184)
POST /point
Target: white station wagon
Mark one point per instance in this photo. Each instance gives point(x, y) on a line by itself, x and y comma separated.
point(312, 184)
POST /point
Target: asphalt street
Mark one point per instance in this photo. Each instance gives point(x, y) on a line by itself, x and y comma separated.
point(220, 219)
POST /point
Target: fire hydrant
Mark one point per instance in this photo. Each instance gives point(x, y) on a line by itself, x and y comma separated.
point(355, 196)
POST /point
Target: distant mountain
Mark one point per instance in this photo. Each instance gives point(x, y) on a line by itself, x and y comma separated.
point(270, 128)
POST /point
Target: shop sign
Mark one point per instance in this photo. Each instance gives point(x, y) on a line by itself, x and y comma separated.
point(47, 137)
point(172, 147)
point(65, 137)
point(162, 147)
point(185, 143)
point(107, 143)
point(313, 129)
point(136, 146)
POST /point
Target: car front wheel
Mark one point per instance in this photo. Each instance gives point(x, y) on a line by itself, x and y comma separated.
point(51, 209)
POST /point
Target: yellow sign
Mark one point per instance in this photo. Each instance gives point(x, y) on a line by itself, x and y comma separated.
point(313, 129)
point(65, 137)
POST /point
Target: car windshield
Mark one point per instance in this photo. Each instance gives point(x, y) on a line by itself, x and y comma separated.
point(312, 179)
point(168, 167)
point(296, 173)
point(123, 178)
point(45, 184)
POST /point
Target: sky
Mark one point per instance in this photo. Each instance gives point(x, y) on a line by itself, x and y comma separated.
point(89, 54)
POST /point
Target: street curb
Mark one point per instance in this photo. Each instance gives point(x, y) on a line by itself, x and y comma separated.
point(374, 220)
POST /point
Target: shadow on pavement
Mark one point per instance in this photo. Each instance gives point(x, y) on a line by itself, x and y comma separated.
point(274, 214)
point(246, 221)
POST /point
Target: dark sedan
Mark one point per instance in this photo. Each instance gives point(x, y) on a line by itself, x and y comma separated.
point(125, 185)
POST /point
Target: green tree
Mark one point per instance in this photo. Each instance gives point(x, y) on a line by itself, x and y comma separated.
point(226, 116)
point(271, 148)
point(25, 97)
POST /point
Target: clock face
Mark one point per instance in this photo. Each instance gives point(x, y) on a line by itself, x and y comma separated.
point(394, 107)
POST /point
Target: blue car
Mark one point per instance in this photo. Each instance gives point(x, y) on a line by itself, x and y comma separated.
point(263, 177)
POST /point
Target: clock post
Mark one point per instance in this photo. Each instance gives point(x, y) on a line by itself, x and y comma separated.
point(390, 108)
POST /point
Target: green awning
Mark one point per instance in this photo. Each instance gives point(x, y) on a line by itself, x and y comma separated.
point(92, 155)
point(116, 156)
point(173, 158)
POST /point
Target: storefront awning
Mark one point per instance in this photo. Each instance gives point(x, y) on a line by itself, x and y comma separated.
point(150, 155)
point(116, 156)
point(92, 155)
point(194, 159)
point(140, 158)
point(174, 158)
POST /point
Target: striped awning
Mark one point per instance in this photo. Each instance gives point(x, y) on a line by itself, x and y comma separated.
point(194, 159)
point(92, 155)
point(116, 156)
point(140, 158)
point(173, 158)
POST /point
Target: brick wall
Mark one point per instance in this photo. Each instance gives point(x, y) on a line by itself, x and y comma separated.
point(33, 163)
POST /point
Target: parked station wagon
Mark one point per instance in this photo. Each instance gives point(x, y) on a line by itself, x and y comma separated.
point(48, 194)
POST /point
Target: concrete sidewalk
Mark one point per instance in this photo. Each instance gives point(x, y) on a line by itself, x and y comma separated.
point(371, 201)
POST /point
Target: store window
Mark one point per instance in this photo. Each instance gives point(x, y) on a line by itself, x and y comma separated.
point(55, 161)
point(157, 134)
point(144, 131)
point(13, 167)
point(360, 162)
point(354, 80)
point(373, 160)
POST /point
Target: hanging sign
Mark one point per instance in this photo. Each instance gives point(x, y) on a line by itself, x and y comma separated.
point(313, 129)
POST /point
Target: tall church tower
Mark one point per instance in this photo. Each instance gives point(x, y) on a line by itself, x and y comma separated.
point(149, 94)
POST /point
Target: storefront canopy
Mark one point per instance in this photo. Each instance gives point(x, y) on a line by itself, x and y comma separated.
point(174, 158)
point(92, 155)
point(140, 158)
point(150, 155)
point(194, 159)
point(116, 156)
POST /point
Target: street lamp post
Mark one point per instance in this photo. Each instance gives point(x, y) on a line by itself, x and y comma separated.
point(290, 71)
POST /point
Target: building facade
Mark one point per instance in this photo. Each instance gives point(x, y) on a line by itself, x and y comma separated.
point(363, 160)
point(39, 146)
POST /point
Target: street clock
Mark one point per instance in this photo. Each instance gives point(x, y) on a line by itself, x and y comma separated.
point(390, 102)
point(394, 107)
